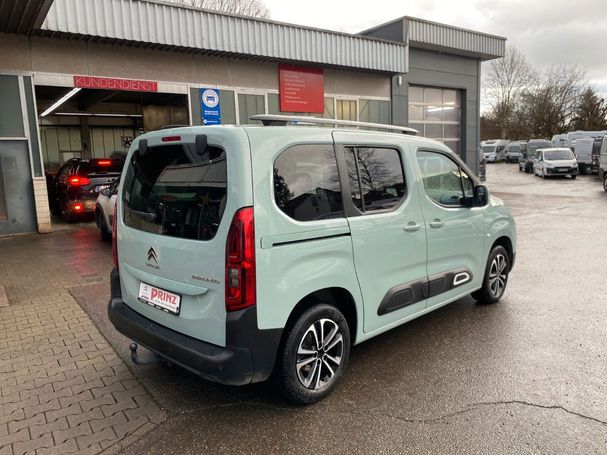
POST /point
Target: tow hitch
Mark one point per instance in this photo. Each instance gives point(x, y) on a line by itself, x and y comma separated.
point(137, 361)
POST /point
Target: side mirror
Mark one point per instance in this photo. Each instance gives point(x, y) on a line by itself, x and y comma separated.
point(481, 196)
point(106, 192)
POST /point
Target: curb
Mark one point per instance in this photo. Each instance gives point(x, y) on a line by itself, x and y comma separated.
point(3, 297)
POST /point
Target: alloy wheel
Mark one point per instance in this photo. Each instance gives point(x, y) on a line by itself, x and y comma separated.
point(498, 275)
point(319, 354)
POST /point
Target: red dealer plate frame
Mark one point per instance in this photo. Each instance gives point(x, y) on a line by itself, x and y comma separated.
point(159, 298)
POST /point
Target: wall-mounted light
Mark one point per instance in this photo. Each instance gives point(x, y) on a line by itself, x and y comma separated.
point(60, 101)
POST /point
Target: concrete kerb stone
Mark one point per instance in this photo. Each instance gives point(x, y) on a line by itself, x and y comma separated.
point(3, 297)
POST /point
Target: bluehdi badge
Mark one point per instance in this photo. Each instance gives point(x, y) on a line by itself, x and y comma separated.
point(209, 103)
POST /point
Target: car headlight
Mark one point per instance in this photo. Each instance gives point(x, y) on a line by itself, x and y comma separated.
point(546, 164)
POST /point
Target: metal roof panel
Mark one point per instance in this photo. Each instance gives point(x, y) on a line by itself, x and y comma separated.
point(171, 25)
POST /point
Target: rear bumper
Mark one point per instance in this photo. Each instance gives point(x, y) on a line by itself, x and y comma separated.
point(249, 354)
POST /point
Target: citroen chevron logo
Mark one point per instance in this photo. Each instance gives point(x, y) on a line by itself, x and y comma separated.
point(152, 255)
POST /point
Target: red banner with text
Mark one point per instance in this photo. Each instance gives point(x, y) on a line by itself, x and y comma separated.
point(301, 89)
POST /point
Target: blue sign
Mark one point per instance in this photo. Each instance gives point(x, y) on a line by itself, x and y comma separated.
point(209, 104)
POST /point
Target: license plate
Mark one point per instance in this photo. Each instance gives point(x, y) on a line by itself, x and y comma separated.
point(159, 298)
point(563, 170)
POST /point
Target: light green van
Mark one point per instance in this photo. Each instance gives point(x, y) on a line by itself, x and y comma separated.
point(248, 252)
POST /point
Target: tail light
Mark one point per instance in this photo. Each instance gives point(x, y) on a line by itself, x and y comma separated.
point(79, 181)
point(114, 238)
point(77, 207)
point(104, 162)
point(240, 261)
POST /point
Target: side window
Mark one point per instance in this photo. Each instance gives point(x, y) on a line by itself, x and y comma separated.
point(376, 178)
point(306, 183)
point(444, 181)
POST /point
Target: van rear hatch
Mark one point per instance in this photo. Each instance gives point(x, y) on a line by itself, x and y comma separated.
point(177, 203)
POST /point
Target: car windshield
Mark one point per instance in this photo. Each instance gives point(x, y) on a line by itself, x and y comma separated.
point(558, 155)
point(488, 148)
point(514, 149)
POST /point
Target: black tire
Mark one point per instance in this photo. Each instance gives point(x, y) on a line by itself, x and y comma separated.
point(583, 169)
point(490, 292)
point(290, 379)
point(106, 234)
point(605, 182)
point(520, 169)
point(574, 176)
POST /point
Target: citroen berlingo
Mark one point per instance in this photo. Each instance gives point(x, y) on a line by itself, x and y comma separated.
point(248, 252)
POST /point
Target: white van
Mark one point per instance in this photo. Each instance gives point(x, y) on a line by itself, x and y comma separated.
point(583, 152)
point(603, 164)
point(494, 150)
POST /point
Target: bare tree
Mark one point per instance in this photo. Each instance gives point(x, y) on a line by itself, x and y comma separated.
point(549, 103)
point(504, 85)
point(253, 8)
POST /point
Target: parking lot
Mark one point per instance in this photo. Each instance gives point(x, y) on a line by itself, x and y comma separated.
point(526, 375)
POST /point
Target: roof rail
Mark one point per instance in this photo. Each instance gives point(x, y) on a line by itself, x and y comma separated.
point(275, 120)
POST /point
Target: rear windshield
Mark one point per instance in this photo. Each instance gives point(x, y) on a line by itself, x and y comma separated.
point(101, 167)
point(176, 192)
point(558, 155)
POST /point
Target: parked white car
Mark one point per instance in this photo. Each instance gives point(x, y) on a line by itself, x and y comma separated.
point(555, 161)
point(104, 209)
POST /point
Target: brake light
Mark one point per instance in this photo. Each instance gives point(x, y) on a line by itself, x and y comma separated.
point(171, 138)
point(240, 261)
point(77, 207)
point(104, 162)
point(114, 238)
point(79, 181)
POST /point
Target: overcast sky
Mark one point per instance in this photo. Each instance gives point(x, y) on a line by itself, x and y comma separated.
point(547, 32)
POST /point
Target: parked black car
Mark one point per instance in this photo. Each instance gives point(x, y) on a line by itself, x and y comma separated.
point(79, 182)
point(525, 162)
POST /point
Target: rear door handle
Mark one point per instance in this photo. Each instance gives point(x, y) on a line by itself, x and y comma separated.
point(437, 223)
point(411, 227)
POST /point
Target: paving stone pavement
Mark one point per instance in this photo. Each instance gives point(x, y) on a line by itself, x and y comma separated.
point(63, 389)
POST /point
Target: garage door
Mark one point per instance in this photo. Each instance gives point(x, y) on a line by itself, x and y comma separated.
point(436, 114)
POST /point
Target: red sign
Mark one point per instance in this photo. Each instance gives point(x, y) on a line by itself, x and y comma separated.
point(301, 89)
point(107, 83)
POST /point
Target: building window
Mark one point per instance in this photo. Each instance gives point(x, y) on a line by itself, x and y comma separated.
point(374, 111)
point(436, 114)
point(249, 105)
point(11, 120)
point(346, 110)
point(227, 107)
